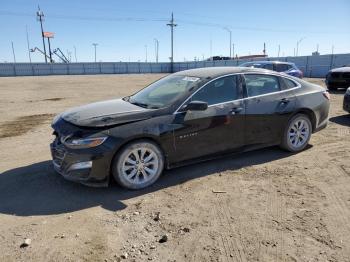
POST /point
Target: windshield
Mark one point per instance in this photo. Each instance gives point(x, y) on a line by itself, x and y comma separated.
point(164, 92)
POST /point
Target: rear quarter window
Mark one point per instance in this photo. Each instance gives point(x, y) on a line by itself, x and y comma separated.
point(288, 84)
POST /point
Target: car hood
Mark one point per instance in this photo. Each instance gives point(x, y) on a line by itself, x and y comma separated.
point(341, 69)
point(106, 113)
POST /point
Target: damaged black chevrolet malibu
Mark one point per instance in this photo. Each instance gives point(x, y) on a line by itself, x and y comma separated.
point(188, 116)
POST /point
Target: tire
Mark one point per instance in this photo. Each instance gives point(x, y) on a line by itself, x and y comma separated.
point(138, 165)
point(300, 126)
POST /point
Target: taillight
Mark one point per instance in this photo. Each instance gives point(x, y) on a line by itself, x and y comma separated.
point(327, 95)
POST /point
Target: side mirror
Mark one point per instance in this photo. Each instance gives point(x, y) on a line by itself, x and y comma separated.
point(196, 106)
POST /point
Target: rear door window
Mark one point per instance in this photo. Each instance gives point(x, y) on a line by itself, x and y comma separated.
point(282, 67)
point(268, 66)
point(218, 91)
point(261, 84)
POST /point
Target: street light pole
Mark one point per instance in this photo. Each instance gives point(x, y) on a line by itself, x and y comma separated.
point(228, 30)
point(95, 45)
point(298, 42)
point(156, 42)
point(146, 53)
point(13, 53)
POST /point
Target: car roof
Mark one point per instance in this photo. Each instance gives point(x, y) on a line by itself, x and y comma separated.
point(212, 72)
point(270, 62)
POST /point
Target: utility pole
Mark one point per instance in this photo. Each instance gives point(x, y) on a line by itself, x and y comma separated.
point(298, 42)
point(279, 49)
point(13, 52)
point(156, 42)
point(48, 41)
point(172, 25)
point(233, 51)
point(29, 55)
point(228, 30)
point(40, 18)
point(264, 50)
point(95, 44)
point(146, 53)
point(211, 47)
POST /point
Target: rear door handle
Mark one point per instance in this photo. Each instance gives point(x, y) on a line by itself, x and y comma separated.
point(236, 110)
point(284, 100)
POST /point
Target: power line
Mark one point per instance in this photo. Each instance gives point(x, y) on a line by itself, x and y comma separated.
point(143, 19)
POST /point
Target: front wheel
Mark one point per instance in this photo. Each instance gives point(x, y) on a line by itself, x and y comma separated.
point(138, 165)
point(297, 133)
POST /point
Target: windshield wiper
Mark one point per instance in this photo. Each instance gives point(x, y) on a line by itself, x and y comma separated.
point(139, 104)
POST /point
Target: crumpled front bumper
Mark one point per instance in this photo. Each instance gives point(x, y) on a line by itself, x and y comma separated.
point(88, 166)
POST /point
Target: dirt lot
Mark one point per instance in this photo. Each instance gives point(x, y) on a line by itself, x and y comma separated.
point(275, 206)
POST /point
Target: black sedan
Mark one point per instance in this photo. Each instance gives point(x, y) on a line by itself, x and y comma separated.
point(346, 102)
point(338, 78)
point(188, 116)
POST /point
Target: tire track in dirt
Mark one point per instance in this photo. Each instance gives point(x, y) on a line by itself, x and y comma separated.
point(330, 179)
point(232, 243)
point(272, 246)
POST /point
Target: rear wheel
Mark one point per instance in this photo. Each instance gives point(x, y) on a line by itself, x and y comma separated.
point(297, 133)
point(138, 165)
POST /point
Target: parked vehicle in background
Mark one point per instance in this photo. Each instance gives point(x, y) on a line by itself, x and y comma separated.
point(346, 102)
point(281, 67)
point(338, 78)
point(189, 116)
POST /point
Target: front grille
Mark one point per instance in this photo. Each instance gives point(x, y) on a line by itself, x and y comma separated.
point(58, 156)
point(346, 75)
point(336, 75)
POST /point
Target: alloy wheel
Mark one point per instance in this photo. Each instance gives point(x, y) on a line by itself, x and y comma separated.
point(298, 133)
point(140, 165)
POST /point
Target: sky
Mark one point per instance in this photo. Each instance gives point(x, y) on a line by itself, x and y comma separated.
point(124, 30)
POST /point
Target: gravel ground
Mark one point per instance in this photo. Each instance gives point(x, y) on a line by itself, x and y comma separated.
point(273, 205)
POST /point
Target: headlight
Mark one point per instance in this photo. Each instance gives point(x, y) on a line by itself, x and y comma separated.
point(55, 119)
point(83, 142)
point(348, 91)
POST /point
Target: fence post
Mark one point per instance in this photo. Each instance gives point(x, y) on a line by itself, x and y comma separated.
point(307, 65)
point(331, 65)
